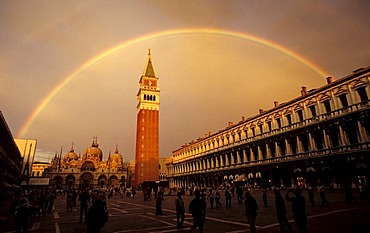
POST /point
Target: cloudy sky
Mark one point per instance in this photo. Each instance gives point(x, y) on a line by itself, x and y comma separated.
point(70, 69)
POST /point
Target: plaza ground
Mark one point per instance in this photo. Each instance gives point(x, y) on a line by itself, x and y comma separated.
point(136, 215)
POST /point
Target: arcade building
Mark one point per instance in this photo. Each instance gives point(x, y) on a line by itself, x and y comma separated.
point(319, 137)
point(89, 170)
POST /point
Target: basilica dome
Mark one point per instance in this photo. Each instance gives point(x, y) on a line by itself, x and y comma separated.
point(71, 155)
point(115, 160)
point(93, 152)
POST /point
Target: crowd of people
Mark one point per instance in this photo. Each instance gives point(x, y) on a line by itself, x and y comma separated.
point(93, 212)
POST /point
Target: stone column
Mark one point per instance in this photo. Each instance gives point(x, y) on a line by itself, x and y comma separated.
point(277, 149)
point(299, 145)
point(268, 151)
point(259, 153)
point(288, 147)
point(244, 156)
point(362, 131)
point(343, 136)
point(326, 140)
point(253, 158)
point(312, 142)
point(238, 157)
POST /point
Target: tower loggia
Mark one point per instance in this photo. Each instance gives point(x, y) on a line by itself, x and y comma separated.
point(147, 131)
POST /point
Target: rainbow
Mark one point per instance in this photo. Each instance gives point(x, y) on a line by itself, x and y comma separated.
point(205, 31)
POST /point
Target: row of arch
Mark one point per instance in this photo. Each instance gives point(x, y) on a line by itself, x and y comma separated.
point(308, 110)
point(87, 180)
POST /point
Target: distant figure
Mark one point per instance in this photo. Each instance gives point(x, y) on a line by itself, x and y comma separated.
point(96, 217)
point(321, 191)
point(281, 211)
point(349, 194)
point(158, 204)
point(69, 200)
point(133, 192)
point(251, 208)
point(228, 197)
point(197, 208)
point(364, 193)
point(239, 194)
point(180, 211)
point(298, 208)
point(83, 198)
point(52, 197)
point(311, 196)
point(264, 196)
point(217, 198)
point(211, 197)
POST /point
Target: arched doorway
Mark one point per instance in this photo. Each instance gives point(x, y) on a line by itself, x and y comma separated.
point(70, 181)
point(311, 177)
point(102, 181)
point(113, 181)
point(58, 182)
point(86, 181)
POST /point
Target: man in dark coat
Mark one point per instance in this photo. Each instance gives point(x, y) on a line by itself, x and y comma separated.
point(298, 208)
point(251, 208)
point(22, 216)
point(197, 208)
point(281, 211)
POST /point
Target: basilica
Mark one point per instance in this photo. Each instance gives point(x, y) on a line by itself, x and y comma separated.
point(89, 170)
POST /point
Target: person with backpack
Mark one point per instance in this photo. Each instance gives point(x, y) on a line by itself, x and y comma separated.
point(197, 208)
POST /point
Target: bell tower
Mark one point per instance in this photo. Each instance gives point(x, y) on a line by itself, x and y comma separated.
point(147, 126)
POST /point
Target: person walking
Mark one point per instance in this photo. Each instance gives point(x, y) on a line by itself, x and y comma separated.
point(96, 216)
point(251, 208)
point(217, 198)
point(298, 209)
point(281, 211)
point(311, 196)
point(180, 211)
point(158, 204)
point(321, 191)
point(197, 208)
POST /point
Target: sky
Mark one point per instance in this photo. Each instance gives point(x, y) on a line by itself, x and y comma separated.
point(70, 70)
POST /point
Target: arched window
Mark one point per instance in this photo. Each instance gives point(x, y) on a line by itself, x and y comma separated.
point(145, 97)
point(154, 98)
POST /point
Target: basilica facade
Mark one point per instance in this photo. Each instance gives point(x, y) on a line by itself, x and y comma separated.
point(89, 170)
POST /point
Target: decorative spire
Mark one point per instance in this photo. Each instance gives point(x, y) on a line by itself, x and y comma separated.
point(149, 68)
point(72, 149)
